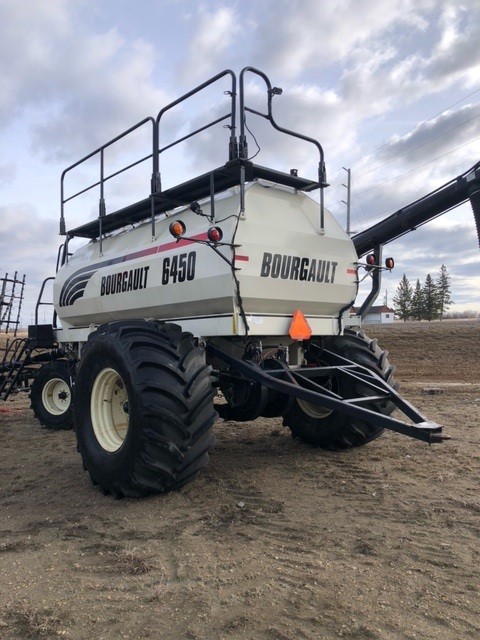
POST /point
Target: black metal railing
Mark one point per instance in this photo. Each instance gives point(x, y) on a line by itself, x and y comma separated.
point(243, 148)
point(158, 150)
point(237, 163)
point(102, 177)
point(233, 152)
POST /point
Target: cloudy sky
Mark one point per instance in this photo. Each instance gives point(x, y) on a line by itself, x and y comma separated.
point(391, 89)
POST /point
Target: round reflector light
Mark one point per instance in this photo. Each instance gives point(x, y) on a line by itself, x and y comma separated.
point(214, 234)
point(177, 228)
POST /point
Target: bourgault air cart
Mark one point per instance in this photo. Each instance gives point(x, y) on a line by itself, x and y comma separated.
point(235, 282)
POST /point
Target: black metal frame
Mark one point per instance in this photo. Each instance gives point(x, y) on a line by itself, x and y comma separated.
point(376, 275)
point(236, 171)
point(21, 357)
point(11, 298)
point(243, 148)
point(450, 195)
point(296, 382)
point(101, 182)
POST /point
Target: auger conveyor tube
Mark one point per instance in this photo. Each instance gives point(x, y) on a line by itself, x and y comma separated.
point(450, 195)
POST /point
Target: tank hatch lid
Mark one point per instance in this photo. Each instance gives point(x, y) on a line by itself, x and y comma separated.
point(225, 177)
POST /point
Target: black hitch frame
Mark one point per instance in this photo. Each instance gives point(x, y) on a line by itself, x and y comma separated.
point(297, 382)
point(22, 357)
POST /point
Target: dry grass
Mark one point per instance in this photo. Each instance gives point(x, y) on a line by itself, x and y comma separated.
point(133, 562)
point(5, 547)
point(36, 623)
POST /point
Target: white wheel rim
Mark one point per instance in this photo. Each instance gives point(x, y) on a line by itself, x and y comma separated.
point(109, 410)
point(56, 396)
point(314, 410)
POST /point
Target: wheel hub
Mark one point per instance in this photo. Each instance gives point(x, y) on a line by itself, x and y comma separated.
point(109, 410)
point(56, 396)
point(316, 411)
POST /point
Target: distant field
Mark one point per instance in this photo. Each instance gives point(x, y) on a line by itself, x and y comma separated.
point(444, 350)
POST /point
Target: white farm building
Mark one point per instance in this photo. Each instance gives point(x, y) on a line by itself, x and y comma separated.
point(380, 315)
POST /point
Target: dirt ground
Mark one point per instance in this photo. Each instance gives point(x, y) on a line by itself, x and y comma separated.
point(273, 541)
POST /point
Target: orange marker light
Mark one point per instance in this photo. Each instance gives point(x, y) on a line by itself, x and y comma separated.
point(299, 327)
point(177, 228)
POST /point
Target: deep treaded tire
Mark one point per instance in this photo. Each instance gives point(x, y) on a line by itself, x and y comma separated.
point(333, 430)
point(51, 395)
point(144, 409)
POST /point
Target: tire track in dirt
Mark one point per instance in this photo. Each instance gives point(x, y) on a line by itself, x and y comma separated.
point(291, 560)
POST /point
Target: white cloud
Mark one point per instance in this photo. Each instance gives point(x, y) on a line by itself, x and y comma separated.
point(7, 173)
point(456, 55)
point(215, 31)
point(28, 51)
point(28, 243)
point(442, 134)
point(85, 87)
point(311, 34)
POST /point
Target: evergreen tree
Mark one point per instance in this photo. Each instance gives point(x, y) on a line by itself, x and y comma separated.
point(417, 302)
point(443, 288)
point(430, 299)
point(403, 299)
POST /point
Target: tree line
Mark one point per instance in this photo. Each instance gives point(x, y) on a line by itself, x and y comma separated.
point(427, 302)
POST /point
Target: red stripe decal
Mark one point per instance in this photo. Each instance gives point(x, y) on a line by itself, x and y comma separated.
point(242, 258)
point(163, 247)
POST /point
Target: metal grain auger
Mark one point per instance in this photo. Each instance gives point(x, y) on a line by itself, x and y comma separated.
point(188, 293)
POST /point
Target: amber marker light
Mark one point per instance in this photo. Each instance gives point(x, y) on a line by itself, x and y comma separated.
point(177, 229)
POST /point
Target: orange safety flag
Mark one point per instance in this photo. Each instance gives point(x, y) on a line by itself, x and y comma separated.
point(299, 327)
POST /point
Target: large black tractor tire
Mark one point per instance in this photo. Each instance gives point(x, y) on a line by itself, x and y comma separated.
point(333, 430)
point(51, 395)
point(144, 409)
